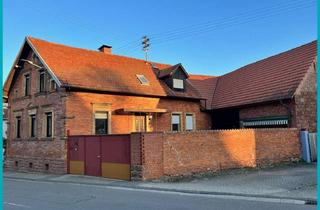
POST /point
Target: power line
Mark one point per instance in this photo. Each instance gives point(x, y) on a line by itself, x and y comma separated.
point(241, 15)
point(227, 22)
point(213, 28)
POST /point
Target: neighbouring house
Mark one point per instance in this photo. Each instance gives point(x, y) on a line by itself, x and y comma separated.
point(55, 90)
point(279, 91)
point(4, 120)
point(4, 124)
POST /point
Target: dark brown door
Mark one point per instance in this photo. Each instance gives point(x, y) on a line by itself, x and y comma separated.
point(93, 156)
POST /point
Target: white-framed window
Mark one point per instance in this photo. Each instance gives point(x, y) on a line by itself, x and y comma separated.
point(49, 124)
point(176, 122)
point(143, 80)
point(53, 85)
point(190, 122)
point(101, 122)
point(27, 85)
point(178, 84)
point(18, 127)
point(33, 125)
point(42, 81)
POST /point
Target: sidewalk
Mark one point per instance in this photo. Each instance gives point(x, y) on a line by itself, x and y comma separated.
point(298, 182)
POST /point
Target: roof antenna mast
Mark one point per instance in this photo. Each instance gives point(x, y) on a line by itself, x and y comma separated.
point(145, 46)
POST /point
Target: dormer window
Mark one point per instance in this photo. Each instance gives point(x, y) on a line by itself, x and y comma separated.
point(178, 84)
point(143, 80)
point(174, 76)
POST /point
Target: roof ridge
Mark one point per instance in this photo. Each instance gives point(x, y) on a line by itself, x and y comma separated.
point(214, 92)
point(258, 61)
point(94, 51)
point(204, 75)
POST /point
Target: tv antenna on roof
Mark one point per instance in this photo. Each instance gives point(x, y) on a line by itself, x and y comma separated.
point(145, 46)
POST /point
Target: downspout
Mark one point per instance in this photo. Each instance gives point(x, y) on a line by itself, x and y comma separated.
point(288, 111)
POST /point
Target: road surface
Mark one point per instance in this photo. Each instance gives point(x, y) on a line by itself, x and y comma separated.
point(37, 195)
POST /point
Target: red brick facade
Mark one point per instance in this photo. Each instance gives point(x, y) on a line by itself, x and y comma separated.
point(73, 112)
point(306, 102)
point(173, 154)
point(80, 109)
point(272, 109)
point(38, 153)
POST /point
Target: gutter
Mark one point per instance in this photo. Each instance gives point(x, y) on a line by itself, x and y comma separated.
point(85, 89)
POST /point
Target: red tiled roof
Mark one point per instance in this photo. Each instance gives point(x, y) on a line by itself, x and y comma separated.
point(206, 86)
point(273, 78)
point(93, 69)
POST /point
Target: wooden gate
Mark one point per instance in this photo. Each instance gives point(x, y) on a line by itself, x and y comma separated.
point(100, 155)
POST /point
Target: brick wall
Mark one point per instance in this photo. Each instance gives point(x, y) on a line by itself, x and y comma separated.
point(135, 148)
point(306, 102)
point(38, 153)
point(152, 155)
point(269, 110)
point(79, 108)
point(182, 153)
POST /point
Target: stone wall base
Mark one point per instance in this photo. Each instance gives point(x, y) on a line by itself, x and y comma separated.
point(136, 172)
point(34, 164)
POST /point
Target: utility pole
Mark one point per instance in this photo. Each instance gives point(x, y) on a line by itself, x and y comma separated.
point(145, 46)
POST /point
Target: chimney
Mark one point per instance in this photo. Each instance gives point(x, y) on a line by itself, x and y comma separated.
point(105, 49)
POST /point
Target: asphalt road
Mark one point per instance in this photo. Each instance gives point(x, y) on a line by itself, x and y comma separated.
point(35, 195)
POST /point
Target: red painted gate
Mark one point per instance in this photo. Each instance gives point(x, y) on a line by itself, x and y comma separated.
point(100, 155)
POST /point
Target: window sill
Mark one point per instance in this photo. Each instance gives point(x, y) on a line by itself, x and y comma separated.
point(33, 139)
point(22, 98)
point(41, 93)
point(52, 91)
point(46, 139)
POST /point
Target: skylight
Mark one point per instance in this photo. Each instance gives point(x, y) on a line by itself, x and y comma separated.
point(143, 80)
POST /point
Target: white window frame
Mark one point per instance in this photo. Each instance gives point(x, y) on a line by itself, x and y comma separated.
point(193, 121)
point(25, 85)
point(50, 83)
point(180, 121)
point(107, 118)
point(44, 122)
point(42, 71)
point(101, 107)
point(32, 112)
point(140, 77)
point(16, 127)
point(178, 84)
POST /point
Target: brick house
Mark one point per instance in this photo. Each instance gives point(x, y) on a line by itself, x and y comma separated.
point(279, 91)
point(53, 90)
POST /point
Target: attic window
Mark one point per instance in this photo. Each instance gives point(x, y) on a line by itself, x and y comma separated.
point(143, 80)
point(178, 84)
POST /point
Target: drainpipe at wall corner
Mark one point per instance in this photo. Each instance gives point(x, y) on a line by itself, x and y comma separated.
point(305, 145)
point(289, 112)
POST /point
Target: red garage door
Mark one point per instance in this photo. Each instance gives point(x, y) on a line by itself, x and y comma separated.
point(95, 155)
